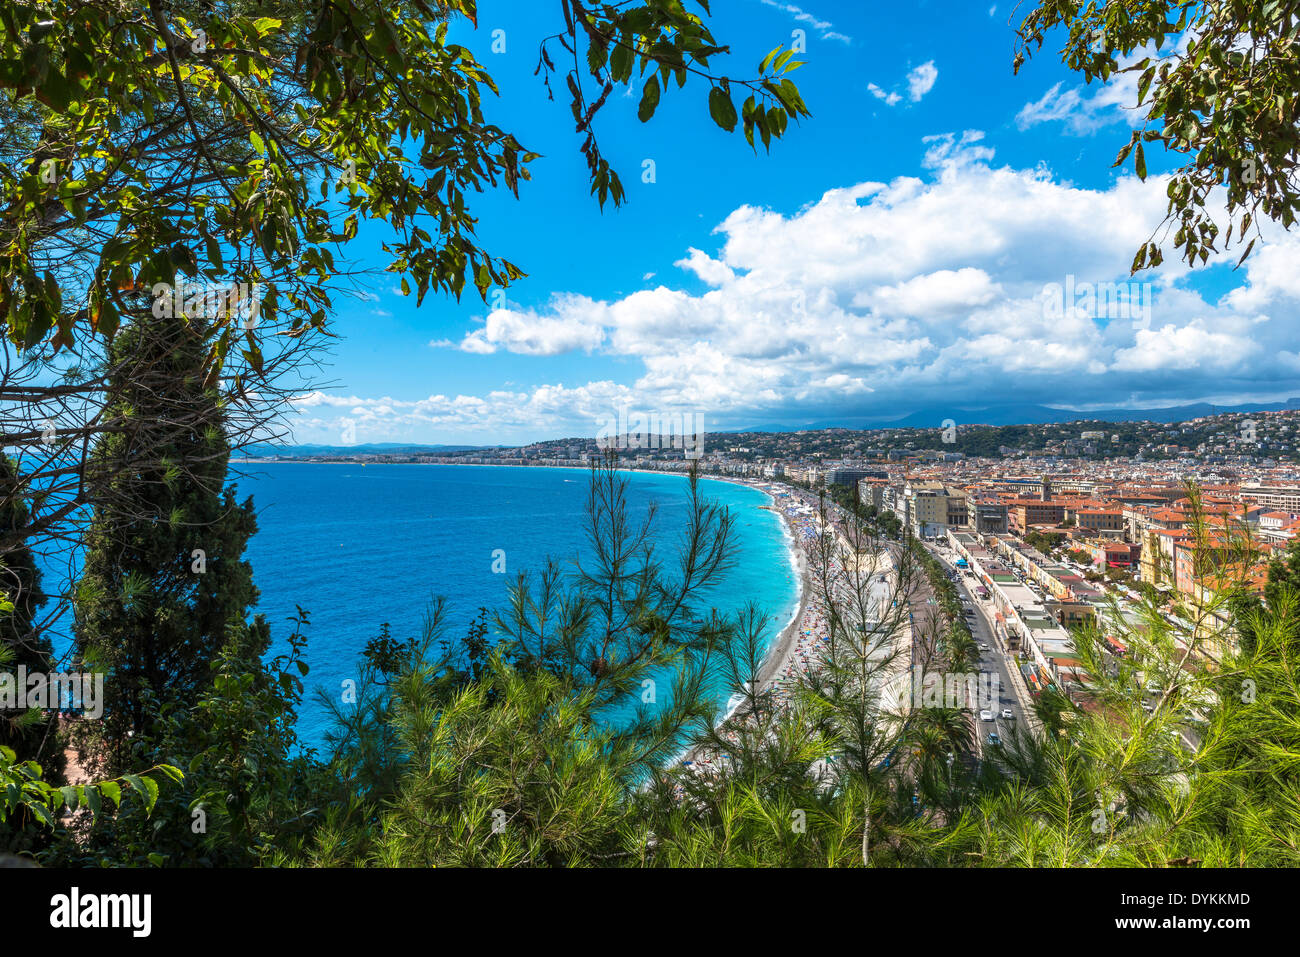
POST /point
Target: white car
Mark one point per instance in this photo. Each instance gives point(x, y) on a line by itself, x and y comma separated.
point(1007, 715)
point(986, 715)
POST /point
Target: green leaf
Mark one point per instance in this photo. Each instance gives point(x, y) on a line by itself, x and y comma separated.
point(1144, 84)
point(1140, 162)
point(596, 54)
point(620, 62)
point(147, 787)
point(649, 99)
point(722, 109)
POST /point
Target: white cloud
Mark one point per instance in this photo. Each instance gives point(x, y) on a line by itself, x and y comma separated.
point(920, 81)
point(951, 152)
point(889, 98)
point(877, 296)
point(710, 270)
point(1111, 102)
point(823, 27)
point(945, 291)
point(575, 323)
point(1272, 275)
point(1184, 347)
point(1082, 114)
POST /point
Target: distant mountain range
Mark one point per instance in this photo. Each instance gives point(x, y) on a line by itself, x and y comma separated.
point(376, 448)
point(1010, 414)
point(1019, 414)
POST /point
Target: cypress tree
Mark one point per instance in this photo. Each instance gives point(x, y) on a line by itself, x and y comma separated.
point(163, 572)
point(20, 638)
point(31, 735)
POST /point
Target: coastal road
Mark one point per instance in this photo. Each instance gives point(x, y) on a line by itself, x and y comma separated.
point(994, 661)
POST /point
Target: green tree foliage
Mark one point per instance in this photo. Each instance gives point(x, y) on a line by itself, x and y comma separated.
point(245, 140)
point(1219, 84)
point(31, 735)
point(239, 146)
point(33, 802)
point(1044, 542)
point(163, 574)
point(247, 787)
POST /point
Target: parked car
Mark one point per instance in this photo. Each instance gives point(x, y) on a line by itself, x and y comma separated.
point(986, 715)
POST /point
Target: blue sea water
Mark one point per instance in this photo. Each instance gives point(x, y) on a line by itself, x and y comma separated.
point(360, 546)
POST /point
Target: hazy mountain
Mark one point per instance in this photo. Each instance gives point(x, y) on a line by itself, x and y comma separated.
point(1023, 414)
point(375, 448)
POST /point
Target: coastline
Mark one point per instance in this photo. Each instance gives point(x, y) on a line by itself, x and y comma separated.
point(781, 650)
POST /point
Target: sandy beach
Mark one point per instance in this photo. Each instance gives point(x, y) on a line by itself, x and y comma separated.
point(780, 655)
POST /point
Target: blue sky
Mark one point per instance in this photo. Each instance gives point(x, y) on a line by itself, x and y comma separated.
point(893, 253)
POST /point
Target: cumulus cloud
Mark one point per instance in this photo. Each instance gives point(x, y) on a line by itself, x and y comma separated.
point(707, 268)
point(575, 322)
point(1192, 346)
point(943, 292)
point(885, 297)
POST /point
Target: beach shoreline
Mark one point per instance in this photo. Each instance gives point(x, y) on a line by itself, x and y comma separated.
point(780, 653)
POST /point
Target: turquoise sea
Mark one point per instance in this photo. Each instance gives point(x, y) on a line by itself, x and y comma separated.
point(359, 546)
